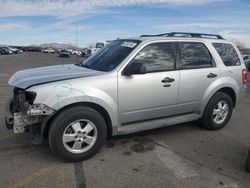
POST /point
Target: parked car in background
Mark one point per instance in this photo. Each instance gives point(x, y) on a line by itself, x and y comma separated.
point(97, 47)
point(49, 50)
point(70, 51)
point(30, 48)
point(9, 50)
point(64, 53)
point(246, 59)
point(2, 51)
point(59, 50)
point(76, 52)
point(15, 50)
point(84, 52)
point(6, 51)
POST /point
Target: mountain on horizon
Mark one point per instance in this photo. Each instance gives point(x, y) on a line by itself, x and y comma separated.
point(56, 45)
point(47, 45)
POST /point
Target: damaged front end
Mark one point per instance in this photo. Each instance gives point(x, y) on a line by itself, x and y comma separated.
point(21, 113)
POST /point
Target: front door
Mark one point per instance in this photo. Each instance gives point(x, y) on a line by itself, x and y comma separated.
point(154, 94)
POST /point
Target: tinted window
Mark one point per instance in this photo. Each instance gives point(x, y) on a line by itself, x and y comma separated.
point(111, 55)
point(157, 57)
point(195, 55)
point(227, 53)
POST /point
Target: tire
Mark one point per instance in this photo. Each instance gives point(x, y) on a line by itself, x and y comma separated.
point(66, 123)
point(208, 120)
point(247, 167)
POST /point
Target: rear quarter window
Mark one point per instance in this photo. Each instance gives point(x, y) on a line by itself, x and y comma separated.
point(227, 53)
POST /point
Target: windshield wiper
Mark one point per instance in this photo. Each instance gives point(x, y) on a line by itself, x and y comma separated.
point(78, 64)
point(84, 65)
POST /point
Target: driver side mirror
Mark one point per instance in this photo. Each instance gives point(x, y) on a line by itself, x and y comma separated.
point(135, 68)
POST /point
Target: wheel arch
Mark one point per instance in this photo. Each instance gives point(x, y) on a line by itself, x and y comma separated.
point(230, 92)
point(47, 122)
point(225, 89)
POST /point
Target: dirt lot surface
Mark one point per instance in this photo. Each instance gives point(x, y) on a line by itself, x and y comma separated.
point(178, 156)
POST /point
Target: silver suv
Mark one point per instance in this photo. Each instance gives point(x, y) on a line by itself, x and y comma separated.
point(128, 86)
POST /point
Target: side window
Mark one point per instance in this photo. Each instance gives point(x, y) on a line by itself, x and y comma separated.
point(195, 55)
point(227, 53)
point(157, 57)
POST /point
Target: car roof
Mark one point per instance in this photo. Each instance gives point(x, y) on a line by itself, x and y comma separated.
point(147, 39)
point(202, 37)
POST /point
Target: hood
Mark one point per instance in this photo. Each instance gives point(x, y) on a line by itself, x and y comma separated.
point(26, 78)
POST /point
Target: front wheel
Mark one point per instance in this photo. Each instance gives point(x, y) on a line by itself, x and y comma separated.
point(77, 133)
point(218, 111)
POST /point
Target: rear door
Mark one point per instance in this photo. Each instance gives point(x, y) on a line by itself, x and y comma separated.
point(197, 72)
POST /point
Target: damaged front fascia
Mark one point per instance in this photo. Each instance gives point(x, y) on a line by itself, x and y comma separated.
point(24, 111)
point(40, 109)
point(33, 115)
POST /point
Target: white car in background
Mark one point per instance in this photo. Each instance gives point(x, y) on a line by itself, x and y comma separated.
point(97, 47)
point(76, 52)
point(15, 50)
point(49, 50)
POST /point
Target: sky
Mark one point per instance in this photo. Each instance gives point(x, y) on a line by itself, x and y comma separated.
point(26, 22)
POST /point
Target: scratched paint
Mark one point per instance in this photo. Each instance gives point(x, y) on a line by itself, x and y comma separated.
point(65, 90)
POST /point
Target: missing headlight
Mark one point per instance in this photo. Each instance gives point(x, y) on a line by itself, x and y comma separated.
point(22, 99)
point(30, 97)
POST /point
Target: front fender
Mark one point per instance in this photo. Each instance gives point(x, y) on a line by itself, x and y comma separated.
point(63, 94)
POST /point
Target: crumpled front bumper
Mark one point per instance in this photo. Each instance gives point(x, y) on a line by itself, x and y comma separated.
point(20, 121)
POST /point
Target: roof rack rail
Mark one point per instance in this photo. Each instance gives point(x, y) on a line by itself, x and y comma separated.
point(183, 34)
point(158, 35)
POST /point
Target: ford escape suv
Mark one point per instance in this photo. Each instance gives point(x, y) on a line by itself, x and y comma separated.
point(128, 86)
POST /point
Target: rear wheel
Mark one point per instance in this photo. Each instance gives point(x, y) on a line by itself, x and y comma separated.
point(77, 133)
point(218, 111)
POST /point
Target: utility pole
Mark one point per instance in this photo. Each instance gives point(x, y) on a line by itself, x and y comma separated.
point(76, 44)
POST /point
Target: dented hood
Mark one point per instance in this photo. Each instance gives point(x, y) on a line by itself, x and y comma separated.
point(27, 78)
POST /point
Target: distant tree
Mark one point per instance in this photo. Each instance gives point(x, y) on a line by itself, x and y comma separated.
point(239, 43)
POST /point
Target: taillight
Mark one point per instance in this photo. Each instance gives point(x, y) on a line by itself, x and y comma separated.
point(244, 76)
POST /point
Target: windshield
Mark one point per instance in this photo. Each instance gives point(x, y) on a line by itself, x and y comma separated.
point(110, 56)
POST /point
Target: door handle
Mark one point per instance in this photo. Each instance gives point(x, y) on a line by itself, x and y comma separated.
point(211, 75)
point(168, 80)
point(167, 85)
